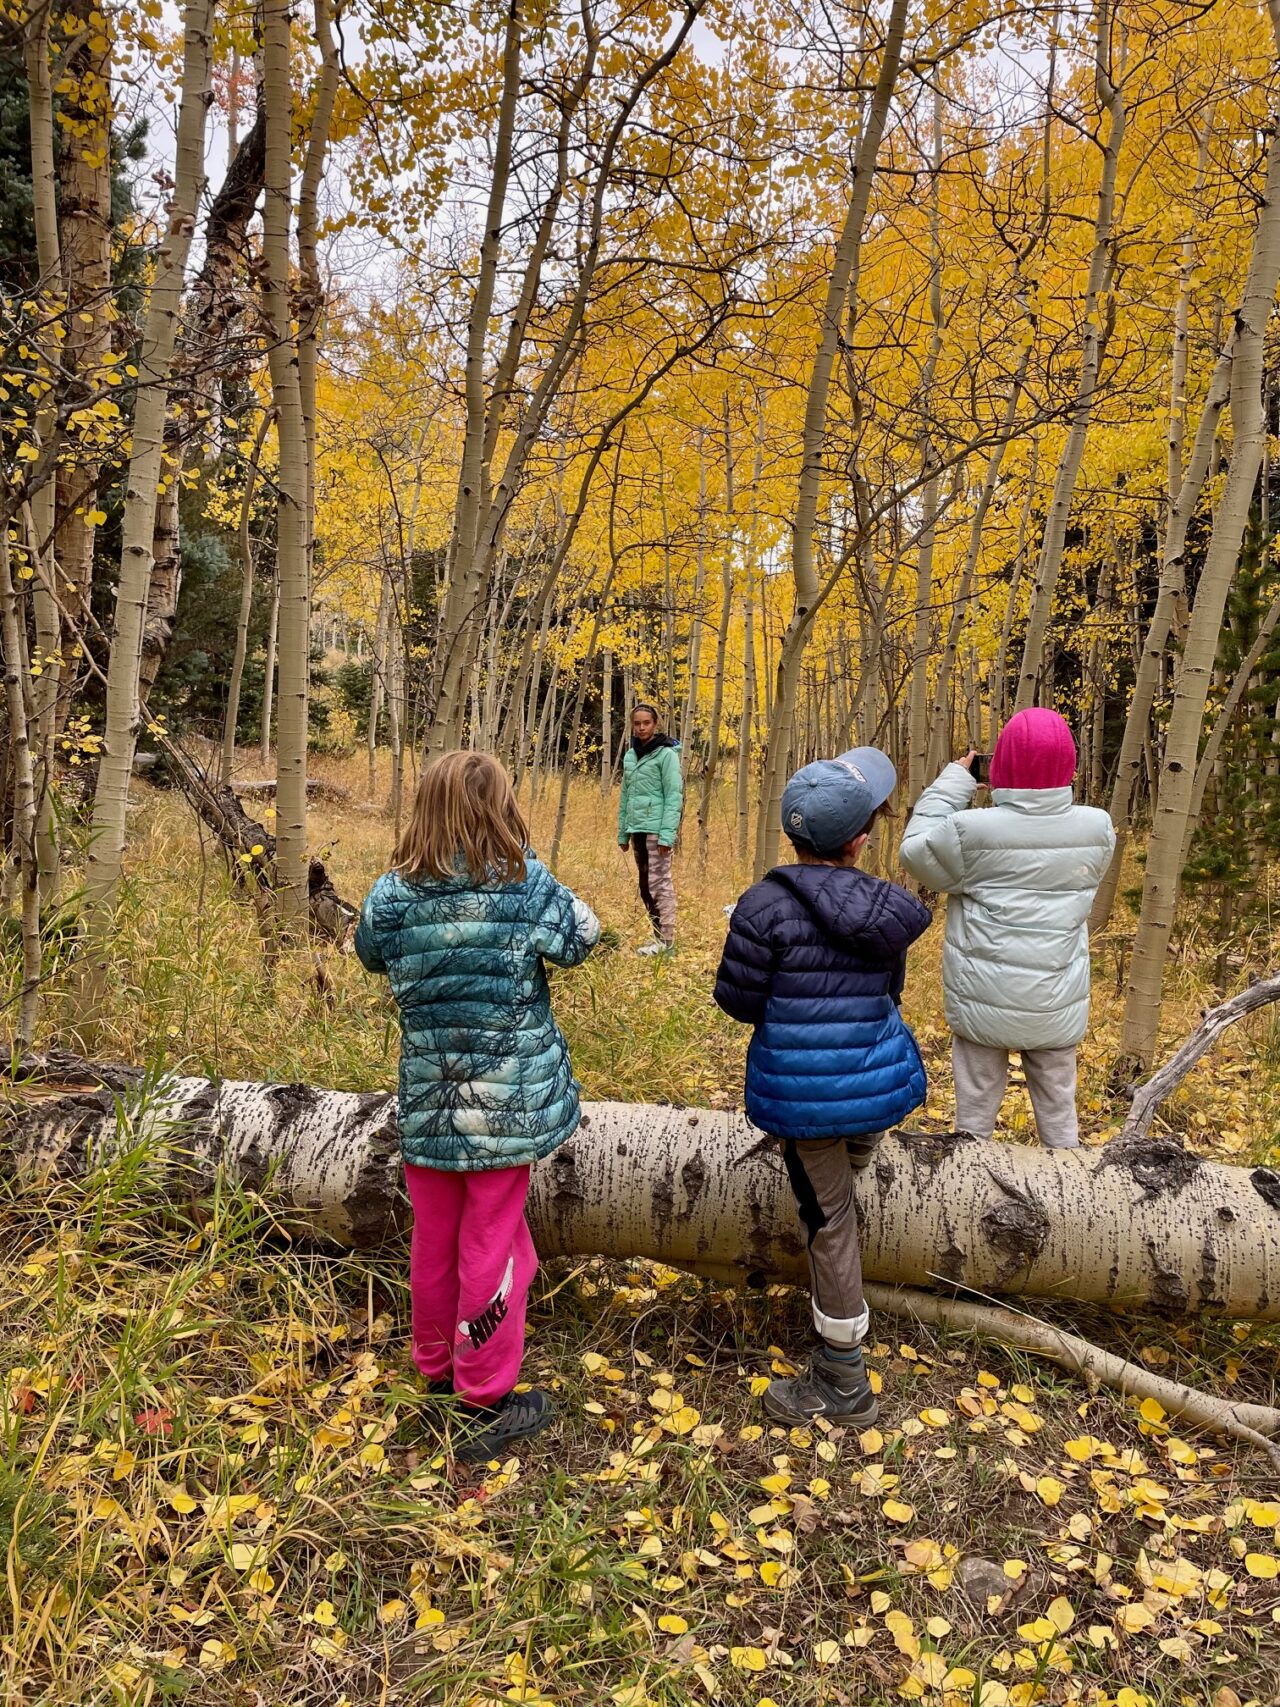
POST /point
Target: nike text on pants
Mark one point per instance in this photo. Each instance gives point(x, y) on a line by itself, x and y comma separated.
point(471, 1263)
point(981, 1074)
point(821, 1174)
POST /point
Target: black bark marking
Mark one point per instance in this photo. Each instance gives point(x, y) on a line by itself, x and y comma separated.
point(1208, 1278)
point(663, 1199)
point(693, 1177)
point(289, 1102)
point(1266, 1182)
point(931, 1149)
point(1015, 1226)
point(1156, 1164)
point(951, 1259)
point(566, 1190)
point(1169, 1295)
point(1113, 1278)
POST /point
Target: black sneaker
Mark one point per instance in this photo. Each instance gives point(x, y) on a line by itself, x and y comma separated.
point(834, 1388)
point(520, 1416)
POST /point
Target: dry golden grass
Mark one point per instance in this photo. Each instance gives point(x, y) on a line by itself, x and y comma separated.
point(220, 1482)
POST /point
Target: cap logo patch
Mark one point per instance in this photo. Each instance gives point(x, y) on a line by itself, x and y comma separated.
point(797, 820)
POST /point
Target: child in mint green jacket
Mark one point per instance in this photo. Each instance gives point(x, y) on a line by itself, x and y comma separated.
point(649, 819)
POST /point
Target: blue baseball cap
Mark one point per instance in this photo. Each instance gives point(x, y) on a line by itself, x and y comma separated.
point(828, 802)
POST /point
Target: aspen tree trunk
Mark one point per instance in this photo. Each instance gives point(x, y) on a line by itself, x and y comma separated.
point(584, 669)
point(606, 723)
point(712, 765)
point(747, 724)
point(1000, 699)
point(245, 547)
point(1101, 271)
point(1096, 672)
point(42, 509)
point(23, 832)
point(696, 620)
point(1185, 491)
point(1163, 873)
point(146, 470)
point(841, 301)
point(1222, 722)
point(293, 525)
point(922, 629)
point(269, 671)
point(378, 662)
point(85, 231)
point(1137, 1223)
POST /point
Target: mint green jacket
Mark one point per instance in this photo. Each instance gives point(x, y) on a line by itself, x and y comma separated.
point(652, 795)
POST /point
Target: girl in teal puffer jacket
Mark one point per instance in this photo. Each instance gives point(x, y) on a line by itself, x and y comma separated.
point(461, 926)
point(649, 820)
point(1020, 877)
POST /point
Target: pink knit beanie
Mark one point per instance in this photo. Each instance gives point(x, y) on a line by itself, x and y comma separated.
point(1035, 750)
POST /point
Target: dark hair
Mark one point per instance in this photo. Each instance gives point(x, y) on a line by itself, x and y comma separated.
point(643, 705)
point(803, 846)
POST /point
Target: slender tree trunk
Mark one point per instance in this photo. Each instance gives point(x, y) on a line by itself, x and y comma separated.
point(1101, 271)
point(922, 632)
point(1162, 877)
point(747, 724)
point(841, 301)
point(23, 833)
point(689, 719)
point(712, 765)
point(293, 479)
point(42, 510)
point(606, 723)
point(378, 662)
point(245, 547)
point(269, 672)
point(85, 230)
point(146, 470)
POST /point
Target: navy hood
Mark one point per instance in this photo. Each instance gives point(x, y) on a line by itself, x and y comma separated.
point(866, 914)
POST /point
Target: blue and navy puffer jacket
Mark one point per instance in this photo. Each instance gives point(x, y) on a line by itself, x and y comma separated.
point(485, 1080)
point(815, 961)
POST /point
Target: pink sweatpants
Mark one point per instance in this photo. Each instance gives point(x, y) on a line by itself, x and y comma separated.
point(471, 1263)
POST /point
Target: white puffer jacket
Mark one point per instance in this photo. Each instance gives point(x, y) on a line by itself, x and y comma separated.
point(1021, 876)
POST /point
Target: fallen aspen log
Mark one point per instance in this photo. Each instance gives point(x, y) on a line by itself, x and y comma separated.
point(1140, 1222)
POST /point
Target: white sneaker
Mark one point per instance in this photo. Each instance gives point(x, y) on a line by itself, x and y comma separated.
point(657, 948)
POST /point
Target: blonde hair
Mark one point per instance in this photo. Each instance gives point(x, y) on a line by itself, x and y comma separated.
point(464, 815)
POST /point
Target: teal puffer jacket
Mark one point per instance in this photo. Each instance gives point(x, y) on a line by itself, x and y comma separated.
point(652, 793)
point(485, 1080)
point(1020, 876)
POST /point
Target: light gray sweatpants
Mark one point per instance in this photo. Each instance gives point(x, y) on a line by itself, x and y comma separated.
point(981, 1074)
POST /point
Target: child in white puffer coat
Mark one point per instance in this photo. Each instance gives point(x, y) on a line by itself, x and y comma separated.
point(1020, 875)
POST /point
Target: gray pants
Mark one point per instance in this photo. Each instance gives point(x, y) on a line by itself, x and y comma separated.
point(821, 1172)
point(981, 1074)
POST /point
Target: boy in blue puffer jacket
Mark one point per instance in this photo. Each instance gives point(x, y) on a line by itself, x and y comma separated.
point(816, 961)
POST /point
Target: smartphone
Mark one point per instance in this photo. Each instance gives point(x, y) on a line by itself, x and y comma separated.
point(981, 767)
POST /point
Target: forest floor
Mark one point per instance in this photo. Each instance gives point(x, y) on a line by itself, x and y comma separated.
point(221, 1483)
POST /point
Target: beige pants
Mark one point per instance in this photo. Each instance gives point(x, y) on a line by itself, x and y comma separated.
point(981, 1074)
point(821, 1172)
point(653, 868)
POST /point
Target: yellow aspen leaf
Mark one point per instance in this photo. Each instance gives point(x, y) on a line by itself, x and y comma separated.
point(1152, 1411)
point(1176, 1647)
point(673, 1624)
point(182, 1502)
point(325, 1615)
point(776, 1484)
point(1061, 1614)
point(748, 1659)
point(1135, 1618)
point(1127, 1697)
point(1263, 1565)
point(938, 1628)
point(898, 1511)
point(827, 1653)
point(392, 1611)
point(215, 1654)
point(934, 1418)
point(1262, 1513)
point(880, 1601)
point(759, 1385)
point(871, 1441)
point(1050, 1489)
